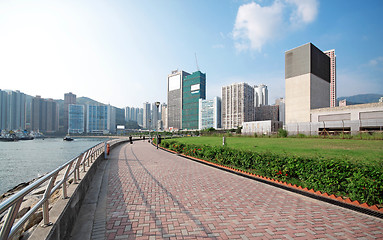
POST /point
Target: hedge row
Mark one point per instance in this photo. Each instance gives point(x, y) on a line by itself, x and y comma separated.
point(334, 176)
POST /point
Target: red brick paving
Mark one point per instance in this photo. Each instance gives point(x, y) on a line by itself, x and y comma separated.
point(153, 194)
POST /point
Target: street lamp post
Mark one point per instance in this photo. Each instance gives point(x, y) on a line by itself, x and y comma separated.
point(150, 135)
point(157, 105)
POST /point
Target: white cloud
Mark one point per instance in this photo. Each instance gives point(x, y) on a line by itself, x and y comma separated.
point(255, 25)
point(305, 12)
point(376, 61)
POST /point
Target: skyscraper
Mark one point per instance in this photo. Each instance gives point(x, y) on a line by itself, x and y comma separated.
point(52, 116)
point(193, 88)
point(146, 114)
point(237, 105)
point(100, 119)
point(76, 118)
point(12, 110)
point(3, 109)
point(69, 98)
point(44, 115)
point(332, 56)
point(260, 95)
point(175, 87)
point(155, 116)
point(307, 76)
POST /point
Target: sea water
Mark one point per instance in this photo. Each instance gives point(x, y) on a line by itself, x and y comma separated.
point(23, 161)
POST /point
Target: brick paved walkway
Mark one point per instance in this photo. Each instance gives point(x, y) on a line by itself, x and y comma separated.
point(152, 194)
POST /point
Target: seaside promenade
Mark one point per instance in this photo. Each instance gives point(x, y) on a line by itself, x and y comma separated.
point(145, 193)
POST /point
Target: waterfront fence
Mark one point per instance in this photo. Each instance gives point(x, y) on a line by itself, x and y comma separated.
point(69, 170)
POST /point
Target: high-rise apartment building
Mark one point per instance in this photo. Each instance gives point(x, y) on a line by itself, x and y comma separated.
point(101, 119)
point(237, 105)
point(52, 117)
point(140, 118)
point(307, 76)
point(76, 118)
point(3, 109)
point(147, 117)
point(332, 56)
point(193, 89)
point(155, 116)
point(260, 95)
point(12, 110)
point(175, 87)
point(44, 115)
point(281, 103)
point(209, 113)
point(16, 110)
point(69, 98)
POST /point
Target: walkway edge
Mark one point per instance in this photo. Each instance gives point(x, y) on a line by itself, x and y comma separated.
point(332, 199)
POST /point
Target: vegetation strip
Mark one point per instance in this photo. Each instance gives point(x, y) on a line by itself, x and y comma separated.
point(198, 152)
point(332, 199)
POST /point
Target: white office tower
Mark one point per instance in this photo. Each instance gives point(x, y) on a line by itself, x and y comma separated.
point(209, 114)
point(237, 105)
point(260, 95)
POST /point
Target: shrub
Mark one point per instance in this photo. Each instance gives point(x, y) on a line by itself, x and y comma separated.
point(282, 132)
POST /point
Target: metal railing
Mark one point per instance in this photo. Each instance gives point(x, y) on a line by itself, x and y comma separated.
point(72, 167)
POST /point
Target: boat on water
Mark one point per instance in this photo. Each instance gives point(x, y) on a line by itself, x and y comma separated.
point(8, 138)
point(67, 138)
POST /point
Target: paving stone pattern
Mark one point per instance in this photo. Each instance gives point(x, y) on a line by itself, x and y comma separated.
point(152, 194)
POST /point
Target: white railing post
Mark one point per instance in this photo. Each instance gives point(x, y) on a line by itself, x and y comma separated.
point(76, 175)
point(10, 219)
point(46, 197)
point(65, 179)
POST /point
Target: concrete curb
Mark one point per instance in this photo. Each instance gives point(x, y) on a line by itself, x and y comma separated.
point(332, 199)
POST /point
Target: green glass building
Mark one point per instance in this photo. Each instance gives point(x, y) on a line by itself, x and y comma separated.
point(193, 88)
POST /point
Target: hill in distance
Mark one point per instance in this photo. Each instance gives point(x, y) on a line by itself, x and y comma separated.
point(87, 101)
point(361, 98)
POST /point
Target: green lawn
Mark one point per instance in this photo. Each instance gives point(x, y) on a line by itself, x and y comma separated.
point(368, 151)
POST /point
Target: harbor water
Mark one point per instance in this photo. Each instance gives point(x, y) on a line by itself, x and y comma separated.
point(23, 161)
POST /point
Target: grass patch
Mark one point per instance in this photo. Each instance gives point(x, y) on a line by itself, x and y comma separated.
point(368, 152)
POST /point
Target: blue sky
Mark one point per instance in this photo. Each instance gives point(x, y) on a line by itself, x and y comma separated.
point(120, 52)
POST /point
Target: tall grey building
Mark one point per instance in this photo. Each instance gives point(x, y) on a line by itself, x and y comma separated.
point(69, 98)
point(155, 116)
point(175, 85)
point(237, 105)
point(45, 115)
point(12, 110)
point(261, 95)
point(3, 109)
point(147, 118)
point(307, 76)
point(140, 117)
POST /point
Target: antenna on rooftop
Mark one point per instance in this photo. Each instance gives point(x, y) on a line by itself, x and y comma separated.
point(196, 61)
